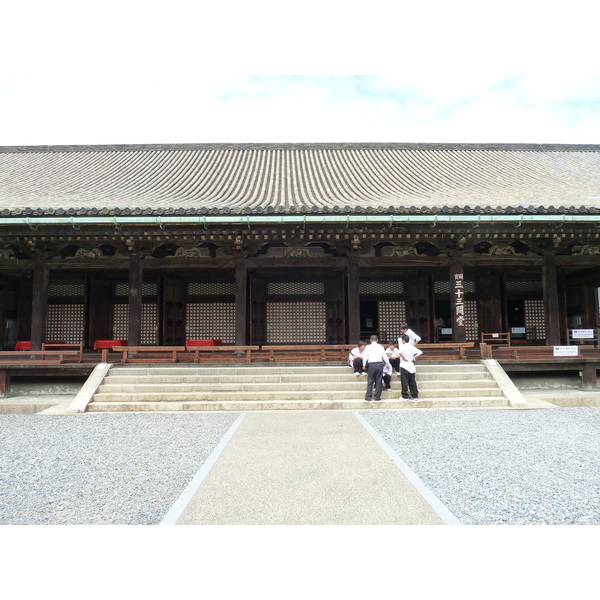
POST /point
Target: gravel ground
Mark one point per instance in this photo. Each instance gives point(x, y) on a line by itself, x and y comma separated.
point(487, 467)
point(503, 467)
point(123, 469)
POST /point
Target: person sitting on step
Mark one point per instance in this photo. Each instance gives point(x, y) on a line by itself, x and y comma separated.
point(355, 358)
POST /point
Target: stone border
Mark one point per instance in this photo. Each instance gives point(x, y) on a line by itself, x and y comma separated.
point(86, 393)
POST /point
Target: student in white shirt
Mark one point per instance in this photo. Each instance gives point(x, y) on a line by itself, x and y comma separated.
point(387, 376)
point(374, 357)
point(414, 339)
point(408, 369)
point(355, 358)
point(393, 355)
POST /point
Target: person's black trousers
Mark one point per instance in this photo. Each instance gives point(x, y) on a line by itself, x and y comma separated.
point(375, 378)
point(409, 382)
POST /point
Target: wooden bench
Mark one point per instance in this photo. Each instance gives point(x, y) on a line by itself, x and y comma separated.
point(445, 350)
point(38, 356)
point(151, 353)
point(63, 346)
point(222, 353)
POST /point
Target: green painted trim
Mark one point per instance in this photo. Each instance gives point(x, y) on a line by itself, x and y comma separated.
point(283, 219)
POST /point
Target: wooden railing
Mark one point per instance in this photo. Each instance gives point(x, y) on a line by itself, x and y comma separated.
point(496, 339)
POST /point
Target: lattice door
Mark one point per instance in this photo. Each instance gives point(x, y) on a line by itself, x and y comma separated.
point(535, 321)
point(471, 324)
point(391, 315)
point(296, 323)
point(65, 323)
point(149, 325)
point(211, 320)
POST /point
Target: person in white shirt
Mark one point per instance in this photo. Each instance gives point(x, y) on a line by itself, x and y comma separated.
point(355, 358)
point(408, 370)
point(387, 376)
point(414, 339)
point(374, 357)
point(393, 355)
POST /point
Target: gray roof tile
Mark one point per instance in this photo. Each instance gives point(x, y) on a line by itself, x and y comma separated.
point(299, 177)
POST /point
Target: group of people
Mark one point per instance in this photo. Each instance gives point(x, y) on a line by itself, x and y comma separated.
point(378, 363)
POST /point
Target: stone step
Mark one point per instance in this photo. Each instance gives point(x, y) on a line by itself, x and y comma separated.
point(438, 370)
point(351, 404)
point(261, 387)
point(311, 378)
point(268, 395)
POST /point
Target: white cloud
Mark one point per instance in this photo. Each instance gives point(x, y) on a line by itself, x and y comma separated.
point(142, 109)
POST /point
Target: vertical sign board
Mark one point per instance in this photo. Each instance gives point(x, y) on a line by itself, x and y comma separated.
point(458, 303)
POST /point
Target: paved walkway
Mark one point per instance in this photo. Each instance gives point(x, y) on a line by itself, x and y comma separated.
point(305, 468)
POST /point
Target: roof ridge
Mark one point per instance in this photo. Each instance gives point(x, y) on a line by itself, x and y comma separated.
point(307, 146)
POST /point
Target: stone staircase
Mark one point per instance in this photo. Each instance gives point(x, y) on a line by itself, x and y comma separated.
point(276, 387)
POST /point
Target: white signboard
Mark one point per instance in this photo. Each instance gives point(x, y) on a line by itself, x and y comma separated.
point(566, 351)
point(579, 334)
point(517, 330)
point(446, 330)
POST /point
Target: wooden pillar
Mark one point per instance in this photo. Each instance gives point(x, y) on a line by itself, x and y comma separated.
point(353, 300)
point(551, 302)
point(134, 334)
point(489, 303)
point(336, 309)
point(39, 304)
point(241, 302)
point(4, 382)
point(100, 309)
point(457, 302)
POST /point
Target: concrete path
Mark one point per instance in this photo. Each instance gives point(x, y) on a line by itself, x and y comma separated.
point(305, 468)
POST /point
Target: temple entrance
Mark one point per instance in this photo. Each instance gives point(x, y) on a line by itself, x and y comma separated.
point(301, 307)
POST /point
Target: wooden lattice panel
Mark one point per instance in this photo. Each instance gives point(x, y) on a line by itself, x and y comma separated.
point(295, 288)
point(208, 320)
point(207, 288)
point(65, 323)
point(471, 323)
point(535, 321)
point(61, 290)
point(524, 287)
point(391, 316)
point(149, 325)
point(442, 287)
point(296, 322)
point(390, 288)
point(149, 333)
point(148, 289)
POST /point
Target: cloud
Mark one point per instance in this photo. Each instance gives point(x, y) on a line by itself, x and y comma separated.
point(139, 106)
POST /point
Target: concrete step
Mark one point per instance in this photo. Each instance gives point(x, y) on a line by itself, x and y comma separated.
point(350, 404)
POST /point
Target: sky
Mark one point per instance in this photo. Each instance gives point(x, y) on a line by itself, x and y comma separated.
point(140, 73)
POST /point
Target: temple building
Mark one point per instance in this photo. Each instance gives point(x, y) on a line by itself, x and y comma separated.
point(298, 243)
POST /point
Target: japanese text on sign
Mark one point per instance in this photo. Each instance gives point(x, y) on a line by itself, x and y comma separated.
point(459, 299)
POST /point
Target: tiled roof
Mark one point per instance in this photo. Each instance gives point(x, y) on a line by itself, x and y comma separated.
point(298, 178)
